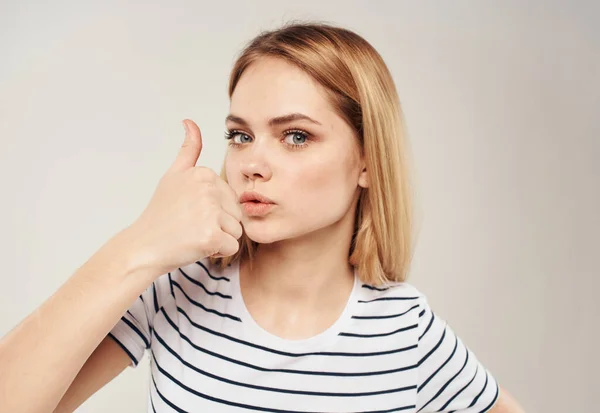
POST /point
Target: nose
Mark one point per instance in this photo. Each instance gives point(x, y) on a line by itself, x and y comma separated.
point(254, 166)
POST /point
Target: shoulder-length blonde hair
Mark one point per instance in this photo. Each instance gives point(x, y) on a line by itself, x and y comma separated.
point(362, 91)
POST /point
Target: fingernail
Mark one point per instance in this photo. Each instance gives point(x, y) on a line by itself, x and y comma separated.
point(185, 126)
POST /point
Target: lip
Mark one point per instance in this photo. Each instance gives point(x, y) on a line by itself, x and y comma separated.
point(257, 209)
point(255, 204)
point(254, 197)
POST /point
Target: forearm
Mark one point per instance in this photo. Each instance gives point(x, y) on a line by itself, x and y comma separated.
point(43, 354)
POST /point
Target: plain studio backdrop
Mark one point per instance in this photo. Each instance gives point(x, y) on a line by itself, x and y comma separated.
point(502, 103)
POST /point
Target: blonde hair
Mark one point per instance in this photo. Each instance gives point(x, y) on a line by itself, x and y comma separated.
point(362, 90)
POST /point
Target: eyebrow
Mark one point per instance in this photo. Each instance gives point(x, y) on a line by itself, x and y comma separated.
point(279, 120)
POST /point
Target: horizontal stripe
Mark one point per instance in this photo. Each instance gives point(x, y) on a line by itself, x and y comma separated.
point(379, 317)
point(289, 371)
point(242, 405)
point(200, 305)
point(285, 353)
point(277, 390)
point(209, 360)
point(379, 334)
point(387, 299)
point(198, 283)
point(370, 287)
point(210, 275)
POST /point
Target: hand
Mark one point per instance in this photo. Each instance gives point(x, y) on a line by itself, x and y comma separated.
point(193, 214)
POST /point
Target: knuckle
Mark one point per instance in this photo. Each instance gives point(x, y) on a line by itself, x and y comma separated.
point(205, 174)
point(209, 188)
point(211, 238)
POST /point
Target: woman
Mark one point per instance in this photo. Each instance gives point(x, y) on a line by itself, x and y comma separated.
point(279, 286)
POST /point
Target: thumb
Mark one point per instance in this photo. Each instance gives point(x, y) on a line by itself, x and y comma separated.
point(191, 147)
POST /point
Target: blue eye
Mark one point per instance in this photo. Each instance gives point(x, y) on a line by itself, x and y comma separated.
point(234, 134)
point(293, 138)
point(298, 137)
point(243, 138)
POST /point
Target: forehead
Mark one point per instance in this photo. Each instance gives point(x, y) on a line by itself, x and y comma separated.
point(271, 87)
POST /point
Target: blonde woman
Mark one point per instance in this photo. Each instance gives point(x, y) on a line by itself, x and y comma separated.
point(279, 286)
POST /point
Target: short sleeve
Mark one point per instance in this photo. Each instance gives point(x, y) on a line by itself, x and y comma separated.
point(133, 332)
point(451, 379)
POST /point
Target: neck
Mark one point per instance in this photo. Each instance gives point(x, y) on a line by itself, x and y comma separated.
point(306, 272)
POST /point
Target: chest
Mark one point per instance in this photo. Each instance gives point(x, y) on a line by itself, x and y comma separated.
point(212, 363)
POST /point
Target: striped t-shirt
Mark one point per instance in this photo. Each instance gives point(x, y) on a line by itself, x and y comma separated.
point(387, 352)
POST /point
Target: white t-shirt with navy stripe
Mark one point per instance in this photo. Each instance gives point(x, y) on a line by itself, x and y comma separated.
point(387, 352)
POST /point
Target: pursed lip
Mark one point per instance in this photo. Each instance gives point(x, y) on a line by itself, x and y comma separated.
point(251, 196)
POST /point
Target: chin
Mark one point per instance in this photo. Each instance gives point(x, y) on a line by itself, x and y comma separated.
point(263, 237)
point(262, 232)
point(265, 231)
point(268, 232)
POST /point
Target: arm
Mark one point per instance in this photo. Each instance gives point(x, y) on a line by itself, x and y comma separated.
point(192, 214)
point(105, 363)
point(506, 404)
point(45, 352)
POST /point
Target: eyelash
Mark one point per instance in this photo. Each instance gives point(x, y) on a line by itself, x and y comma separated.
point(229, 134)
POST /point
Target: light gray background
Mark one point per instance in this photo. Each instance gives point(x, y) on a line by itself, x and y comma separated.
point(502, 101)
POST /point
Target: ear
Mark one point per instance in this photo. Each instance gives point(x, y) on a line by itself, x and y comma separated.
point(363, 178)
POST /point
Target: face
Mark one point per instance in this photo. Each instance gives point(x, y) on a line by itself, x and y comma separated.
point(287, 143)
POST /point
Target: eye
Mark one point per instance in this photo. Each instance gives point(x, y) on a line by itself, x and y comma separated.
point(237, 137)
point(293, 138)
point(298, 137)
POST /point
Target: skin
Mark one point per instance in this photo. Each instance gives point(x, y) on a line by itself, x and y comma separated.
point(301, 271)
point(301, 279)
point(63, 357)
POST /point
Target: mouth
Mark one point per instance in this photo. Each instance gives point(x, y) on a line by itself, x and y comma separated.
point(256, 208)
point(255, 197)
point(255, 204)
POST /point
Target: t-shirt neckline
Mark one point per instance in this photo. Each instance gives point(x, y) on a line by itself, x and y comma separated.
point(315, 343)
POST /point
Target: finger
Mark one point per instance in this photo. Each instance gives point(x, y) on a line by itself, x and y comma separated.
point(233, 209)
point(229, 200)
point(229, 246)
point(190, 149)
point(230, 225)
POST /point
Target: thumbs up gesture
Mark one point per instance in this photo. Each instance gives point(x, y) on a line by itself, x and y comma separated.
point(192, 214)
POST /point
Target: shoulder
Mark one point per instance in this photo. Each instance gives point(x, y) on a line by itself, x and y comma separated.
point(395, 291)
point(400, 298)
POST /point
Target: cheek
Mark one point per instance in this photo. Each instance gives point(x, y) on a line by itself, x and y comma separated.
point(326, 183)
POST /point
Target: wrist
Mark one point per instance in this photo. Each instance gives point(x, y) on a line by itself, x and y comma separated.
point(129, 255)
